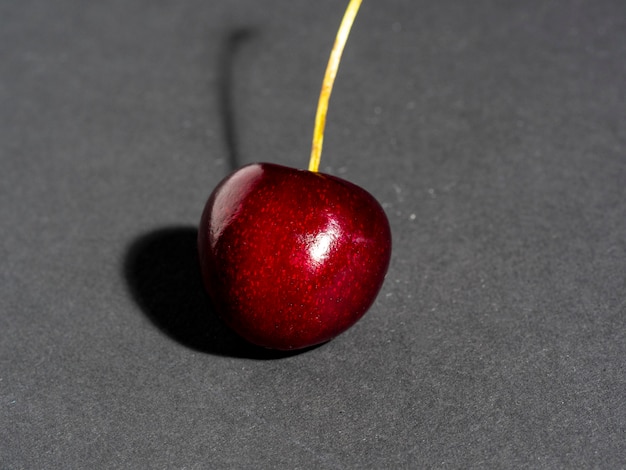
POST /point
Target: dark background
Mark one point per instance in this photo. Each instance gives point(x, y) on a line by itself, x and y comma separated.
point(493, 132)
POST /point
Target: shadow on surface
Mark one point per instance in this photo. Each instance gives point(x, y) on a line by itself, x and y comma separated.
point(232, 43)
point(163, 273)
point(162, 267)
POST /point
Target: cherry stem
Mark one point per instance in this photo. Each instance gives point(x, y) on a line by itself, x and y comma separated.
point(329, 79)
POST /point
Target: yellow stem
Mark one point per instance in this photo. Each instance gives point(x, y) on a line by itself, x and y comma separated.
point(329, 79)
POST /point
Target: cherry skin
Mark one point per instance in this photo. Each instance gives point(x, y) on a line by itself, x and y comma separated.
point(292, 258)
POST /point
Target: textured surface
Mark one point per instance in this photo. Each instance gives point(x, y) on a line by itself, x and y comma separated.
point(492, 132)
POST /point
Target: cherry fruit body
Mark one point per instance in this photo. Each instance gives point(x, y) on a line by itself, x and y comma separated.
point(292, 258)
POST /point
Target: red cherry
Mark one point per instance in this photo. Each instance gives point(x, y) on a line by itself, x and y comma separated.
point(292, 258)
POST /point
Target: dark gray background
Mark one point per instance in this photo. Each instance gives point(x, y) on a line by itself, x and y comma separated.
point(493, 132)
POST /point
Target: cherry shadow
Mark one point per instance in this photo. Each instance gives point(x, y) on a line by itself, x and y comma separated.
point(162, 267)
point(231, 45)
point(163, 273)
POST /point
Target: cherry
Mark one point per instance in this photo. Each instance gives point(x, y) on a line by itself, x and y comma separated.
point(292, 258)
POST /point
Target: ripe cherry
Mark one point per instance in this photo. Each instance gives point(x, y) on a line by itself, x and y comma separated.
point(292, 258)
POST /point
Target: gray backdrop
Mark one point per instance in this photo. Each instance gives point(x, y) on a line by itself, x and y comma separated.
point(493, 132)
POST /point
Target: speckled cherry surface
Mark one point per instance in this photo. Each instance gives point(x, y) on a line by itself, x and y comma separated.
point(292, 258)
